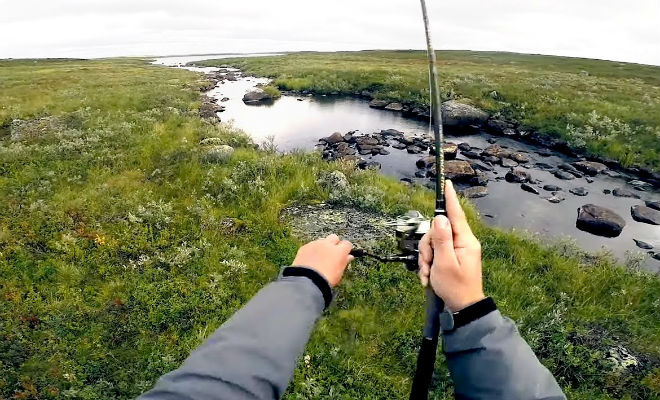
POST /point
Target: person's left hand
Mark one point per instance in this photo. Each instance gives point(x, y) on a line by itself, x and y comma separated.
point(328, 256)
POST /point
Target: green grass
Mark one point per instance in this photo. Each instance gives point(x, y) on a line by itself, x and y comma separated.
point(121, 250)
point(613, 111)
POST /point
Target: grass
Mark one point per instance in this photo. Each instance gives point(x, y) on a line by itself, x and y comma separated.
point(601, 107)
point(121, 250)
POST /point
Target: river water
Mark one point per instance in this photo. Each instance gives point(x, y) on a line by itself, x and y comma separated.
point(298, 123)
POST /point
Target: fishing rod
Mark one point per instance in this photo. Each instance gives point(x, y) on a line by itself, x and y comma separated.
point(410, 229)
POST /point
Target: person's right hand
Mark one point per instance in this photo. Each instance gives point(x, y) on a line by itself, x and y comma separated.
point(328, 256)
point(455, 254)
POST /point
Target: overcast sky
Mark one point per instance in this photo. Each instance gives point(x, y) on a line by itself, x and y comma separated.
point(615, 30)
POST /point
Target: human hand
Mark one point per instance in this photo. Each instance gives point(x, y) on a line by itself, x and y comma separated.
point(455, 254)
point(328, 256)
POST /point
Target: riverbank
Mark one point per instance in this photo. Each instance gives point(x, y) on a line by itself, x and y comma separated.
point(132, 231)
point(599, 108)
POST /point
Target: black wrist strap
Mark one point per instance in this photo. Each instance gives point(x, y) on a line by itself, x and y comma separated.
point(473, 312)
point(315, 277)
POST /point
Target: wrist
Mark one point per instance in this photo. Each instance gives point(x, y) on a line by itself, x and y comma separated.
point(456, 306)
point(313, 275)
point(450, 321)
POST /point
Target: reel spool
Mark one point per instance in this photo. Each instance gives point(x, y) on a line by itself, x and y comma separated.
point(409, 230)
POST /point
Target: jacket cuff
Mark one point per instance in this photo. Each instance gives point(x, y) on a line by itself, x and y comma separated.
point(319, 281)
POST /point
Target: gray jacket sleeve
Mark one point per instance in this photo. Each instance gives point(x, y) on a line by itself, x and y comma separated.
point(488, 359)
point(253, 354)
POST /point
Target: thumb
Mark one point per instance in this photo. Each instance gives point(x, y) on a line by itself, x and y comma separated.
point(442, 242)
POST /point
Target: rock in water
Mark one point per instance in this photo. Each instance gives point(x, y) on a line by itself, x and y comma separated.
point(563, 175)
point(555, 199)
point(425, 162)
point(600, 221)
point(474, 192)
point(528, 188)
point(590, 167)
point(464, 146)
point(621, 192)
point(256, 96)
point(653, 204)
point(551, 188)
point(334, 138)
point(458, 170)
point(394, 107)
point(519, 157)
point(496, 151)
point(642, 245)
point(218, 153)
point(480, 179)
point(645, 214)
point(579, 191)
point(378, 103)
point(517, 175)
point(459, 115)
point(507, 163)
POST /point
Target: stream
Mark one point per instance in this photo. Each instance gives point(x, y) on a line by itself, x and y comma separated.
point(299, 122)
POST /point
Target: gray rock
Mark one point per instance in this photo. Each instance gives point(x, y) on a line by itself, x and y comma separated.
point(653, 204)
point(498, 125)
point(491, 140)
point(474, 192)
point(567, 167)
point(607, 191)
point(336, 137)
point(645, 214)
point(420, 174)
point(414, 149)
point(496, 150)
point(217, 153)
point(394, 107)
point(425, 162)
point(480, 166)
point(591, 168)
point(621, 192)
point(579, 191)
point(563, 175)
point(470, 154)
point(456, 114)
point(643, 245)
point(599, 221)
point(519, 157)
point(543, 166)
point(552, 188)
point(224, 99)
point(491, 159)
point(480, 179)
point(555, 199)
point(399, 145)
point(336, 184)
point(464, 146)
point(589, 180)
point(393, 133)
point(640, 185)
point(654, 255)
point(366, 140)
point(544, 152)
point(383, 152)
point(528, 188)
point(508, 163)
point(256, 96)
point(375, 103)
point(459, 170)
point(517, 175)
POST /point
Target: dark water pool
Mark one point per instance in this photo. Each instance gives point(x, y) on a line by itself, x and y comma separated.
point(298, 123)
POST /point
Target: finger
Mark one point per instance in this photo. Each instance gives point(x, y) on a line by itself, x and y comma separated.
point(463, 236)
point(424, 259)
point(332, 238)
point(443, 244)
point(350, 259)
point(345, 246)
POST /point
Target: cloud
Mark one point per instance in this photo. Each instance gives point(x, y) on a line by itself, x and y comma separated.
point(615, 30)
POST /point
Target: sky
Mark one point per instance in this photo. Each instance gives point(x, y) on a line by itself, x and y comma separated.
point(605, 29)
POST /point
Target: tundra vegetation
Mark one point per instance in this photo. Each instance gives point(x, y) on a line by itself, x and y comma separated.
point(600, 107)
point(122, 247)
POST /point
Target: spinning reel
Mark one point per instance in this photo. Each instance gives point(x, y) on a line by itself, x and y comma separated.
point(409, 229)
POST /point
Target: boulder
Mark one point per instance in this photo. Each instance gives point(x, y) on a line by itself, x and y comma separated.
point(643, 245)
point(490, 159)
point(334, 138)
point(552, 188)
point(621, 192)
point(599, 221)
point(498, 125)
point(474, 192)
point(425, 162)
point(459, 115)
point(470, 154)
point(555, 199)
point(519, 157)
point(383, 152)
point(449, 149)
point(459, 170)
point(209, 110)
point(544, 152)
point(481, 166)
point(218, 153)
point(366, 140)
point(256, 96)
point(480, 179)
point(496, 151)
point(464, 146)
point(563, 175)
point(653, 204)
point(375, 103)
point(543, 166)
point(508, 163)
point(394, 107)
point(579, 191)
point(399, 145)
point(391, 133)
point(414, 149)
point(645, 214)
point(344, 149)
point(528, 188)
point(517, 175)
point(591, 168)
point(336, 184)
point(640, 185)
